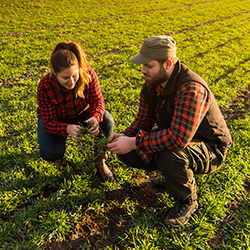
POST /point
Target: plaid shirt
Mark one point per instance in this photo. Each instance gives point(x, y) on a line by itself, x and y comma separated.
point(191, 104)
point(60, 107)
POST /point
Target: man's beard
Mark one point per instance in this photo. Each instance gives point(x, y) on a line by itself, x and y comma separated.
point(158, 79)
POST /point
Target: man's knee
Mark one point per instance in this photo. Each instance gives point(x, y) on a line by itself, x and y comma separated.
point(132, 159)
point(172, 160)
point(175, 167)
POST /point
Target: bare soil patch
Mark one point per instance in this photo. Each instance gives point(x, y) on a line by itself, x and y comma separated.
point(236, 111)
point(113, 220)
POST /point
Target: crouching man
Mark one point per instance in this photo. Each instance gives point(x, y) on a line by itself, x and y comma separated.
point(178, 129)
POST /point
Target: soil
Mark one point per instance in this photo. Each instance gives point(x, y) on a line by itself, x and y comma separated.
point(112, 220)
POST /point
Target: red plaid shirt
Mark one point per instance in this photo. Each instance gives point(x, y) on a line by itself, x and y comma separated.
point(60, 107)
point(191, 104)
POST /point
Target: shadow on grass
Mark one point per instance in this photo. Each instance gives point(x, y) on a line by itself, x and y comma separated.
point(235, 222)
point(102, 228)
point(14, 161)
point(28, 177)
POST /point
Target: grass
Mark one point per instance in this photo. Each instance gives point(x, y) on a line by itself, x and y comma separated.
point(66, 207)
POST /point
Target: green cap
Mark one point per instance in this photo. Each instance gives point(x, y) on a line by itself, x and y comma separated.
point(155, 48)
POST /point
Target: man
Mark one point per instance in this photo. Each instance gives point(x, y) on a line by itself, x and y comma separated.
point(178, 129)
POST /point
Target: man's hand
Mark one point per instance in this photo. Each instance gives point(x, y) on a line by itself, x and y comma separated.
point(121, 144)
point(94, 130)
point(74, 131)
point(114, 136)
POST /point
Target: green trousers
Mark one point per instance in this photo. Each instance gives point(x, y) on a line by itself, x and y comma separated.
point(179, 166)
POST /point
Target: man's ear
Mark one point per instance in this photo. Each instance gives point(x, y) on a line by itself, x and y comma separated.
point(169, 63)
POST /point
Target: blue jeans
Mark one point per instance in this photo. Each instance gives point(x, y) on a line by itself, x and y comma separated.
point(52, 147)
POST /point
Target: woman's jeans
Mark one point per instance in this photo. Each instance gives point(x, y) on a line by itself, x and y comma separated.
point(179, 166)
point(52, 147)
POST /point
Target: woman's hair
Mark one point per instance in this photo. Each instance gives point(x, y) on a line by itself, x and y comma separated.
point(67, 54)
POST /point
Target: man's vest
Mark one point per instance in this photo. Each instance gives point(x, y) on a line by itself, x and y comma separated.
point(212, 129)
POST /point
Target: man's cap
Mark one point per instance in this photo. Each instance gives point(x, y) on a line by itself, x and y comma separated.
point(155, 48)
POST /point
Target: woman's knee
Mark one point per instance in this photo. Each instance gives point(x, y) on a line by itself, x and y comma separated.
point(107, 125)
point(51, 147)
point(52, 155)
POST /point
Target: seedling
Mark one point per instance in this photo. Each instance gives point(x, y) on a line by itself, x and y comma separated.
point(99, 143)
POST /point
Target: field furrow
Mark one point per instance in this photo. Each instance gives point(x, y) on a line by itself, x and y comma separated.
point(43, 206)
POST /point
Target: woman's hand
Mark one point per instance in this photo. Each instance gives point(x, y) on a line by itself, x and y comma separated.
point(94, 130)
point(74, 131)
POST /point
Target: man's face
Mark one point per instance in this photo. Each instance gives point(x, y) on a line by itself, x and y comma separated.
point(155, 73)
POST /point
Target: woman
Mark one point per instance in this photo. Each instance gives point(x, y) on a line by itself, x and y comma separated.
point(69, 94)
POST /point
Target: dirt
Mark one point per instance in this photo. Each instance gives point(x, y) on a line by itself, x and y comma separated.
point(236, 111)
point(94, 225)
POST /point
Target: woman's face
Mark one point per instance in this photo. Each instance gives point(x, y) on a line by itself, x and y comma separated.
point(68, 77)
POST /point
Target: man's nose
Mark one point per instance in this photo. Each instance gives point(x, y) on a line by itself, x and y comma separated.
point(144, 70)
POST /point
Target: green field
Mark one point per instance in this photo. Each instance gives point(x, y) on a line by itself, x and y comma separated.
point(66, 207)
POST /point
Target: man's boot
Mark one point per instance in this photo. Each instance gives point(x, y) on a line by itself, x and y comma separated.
point(180, 214)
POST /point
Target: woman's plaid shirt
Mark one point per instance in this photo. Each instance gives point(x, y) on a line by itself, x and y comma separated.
point(191, 104)
point(60, 107)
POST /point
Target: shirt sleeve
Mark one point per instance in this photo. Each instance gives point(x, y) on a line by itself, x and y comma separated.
point(95, 97)
point(143, 120)
point(191, 104)
point(47, 109)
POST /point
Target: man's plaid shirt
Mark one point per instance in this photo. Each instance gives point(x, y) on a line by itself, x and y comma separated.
point(191, 104)
point(60, 107)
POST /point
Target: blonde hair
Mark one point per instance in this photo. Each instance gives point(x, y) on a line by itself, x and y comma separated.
point(67, 54)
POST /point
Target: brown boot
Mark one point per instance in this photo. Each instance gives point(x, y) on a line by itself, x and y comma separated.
point(103, 170)
point(57, 162)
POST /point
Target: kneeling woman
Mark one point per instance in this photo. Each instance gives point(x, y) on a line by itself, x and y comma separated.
point(69, 94)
